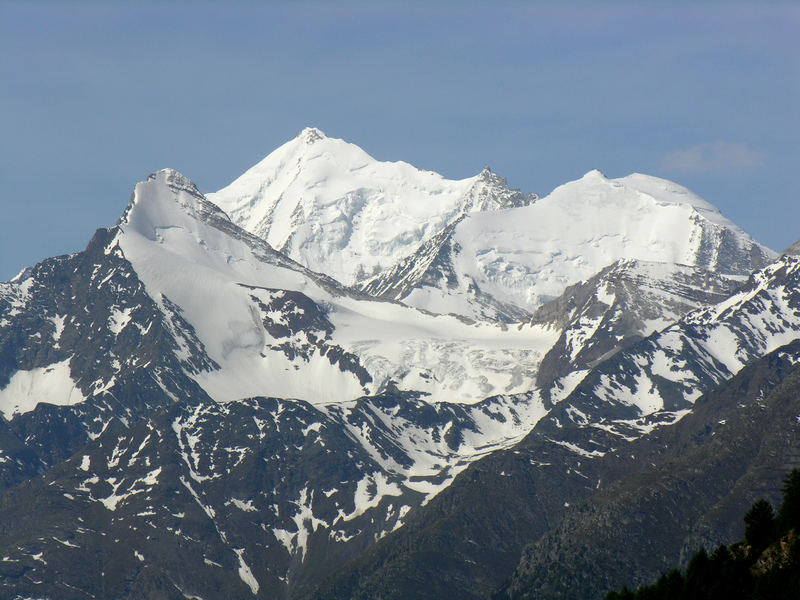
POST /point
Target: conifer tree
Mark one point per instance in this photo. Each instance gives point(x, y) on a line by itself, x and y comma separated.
point(758, 525)
point(789, 512)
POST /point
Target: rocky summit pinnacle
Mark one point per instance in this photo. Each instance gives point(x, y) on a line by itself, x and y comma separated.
point(311, 134)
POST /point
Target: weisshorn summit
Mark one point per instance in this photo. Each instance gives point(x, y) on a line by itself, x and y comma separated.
point(344, 378)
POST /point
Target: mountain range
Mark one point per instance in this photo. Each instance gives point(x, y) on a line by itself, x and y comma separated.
point(344, 378)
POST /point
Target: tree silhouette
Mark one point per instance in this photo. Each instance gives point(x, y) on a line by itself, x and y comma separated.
point(789, 512)
point(758, 525)
point(727, 574)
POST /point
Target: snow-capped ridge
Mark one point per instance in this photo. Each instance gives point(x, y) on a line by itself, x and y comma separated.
point(672, 367)
point(527, 255)
point(332, 207)
point(662, 191)
point(773, 275)
point(618, 306)
point(683, 211)
point(154, 202)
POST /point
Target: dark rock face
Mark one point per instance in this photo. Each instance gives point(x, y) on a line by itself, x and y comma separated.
point(91, 310)
point(707, 470)
point(288, 315)
point(794, 249)
point(234, 500)
point(619, 306)
point(179, 498)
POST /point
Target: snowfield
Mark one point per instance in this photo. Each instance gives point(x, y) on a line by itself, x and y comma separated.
point(217, 280)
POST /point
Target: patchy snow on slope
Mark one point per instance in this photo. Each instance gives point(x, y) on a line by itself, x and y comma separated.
point(119, 319)
point(245, 572)
point(709, 345)
point(58, 324)
point(305, 524)
point(138, 486)
point(52, 384)
point(369, 492)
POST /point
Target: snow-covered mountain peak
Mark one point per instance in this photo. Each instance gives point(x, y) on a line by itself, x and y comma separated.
point(168, 199)
point(501, 264)
point(486, 174)
point(316, 157)
point(637, 193)
point(175, 180)
point(491, 192)
point(595, 174)
point(332, 207)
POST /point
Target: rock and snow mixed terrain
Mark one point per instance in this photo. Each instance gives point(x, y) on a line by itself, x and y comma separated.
point(304, 359)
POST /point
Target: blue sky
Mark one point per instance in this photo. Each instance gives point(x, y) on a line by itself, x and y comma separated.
point(95, 96)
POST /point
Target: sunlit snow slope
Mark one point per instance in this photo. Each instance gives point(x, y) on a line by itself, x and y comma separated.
point(274, 328)
point(475, 247)
point(335, 209)
point(526, 256)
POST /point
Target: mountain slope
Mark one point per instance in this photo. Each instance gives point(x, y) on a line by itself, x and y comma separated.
point(619, 306)
point(83, 348)
point(736, 446)
point(671, 368)
point(571, 452)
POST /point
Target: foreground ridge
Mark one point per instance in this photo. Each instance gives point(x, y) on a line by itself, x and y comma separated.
point(766, 564)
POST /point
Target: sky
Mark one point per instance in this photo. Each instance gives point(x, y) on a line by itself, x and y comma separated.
point(95, 96)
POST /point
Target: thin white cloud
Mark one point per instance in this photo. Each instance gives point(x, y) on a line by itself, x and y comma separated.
point(713, 157)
